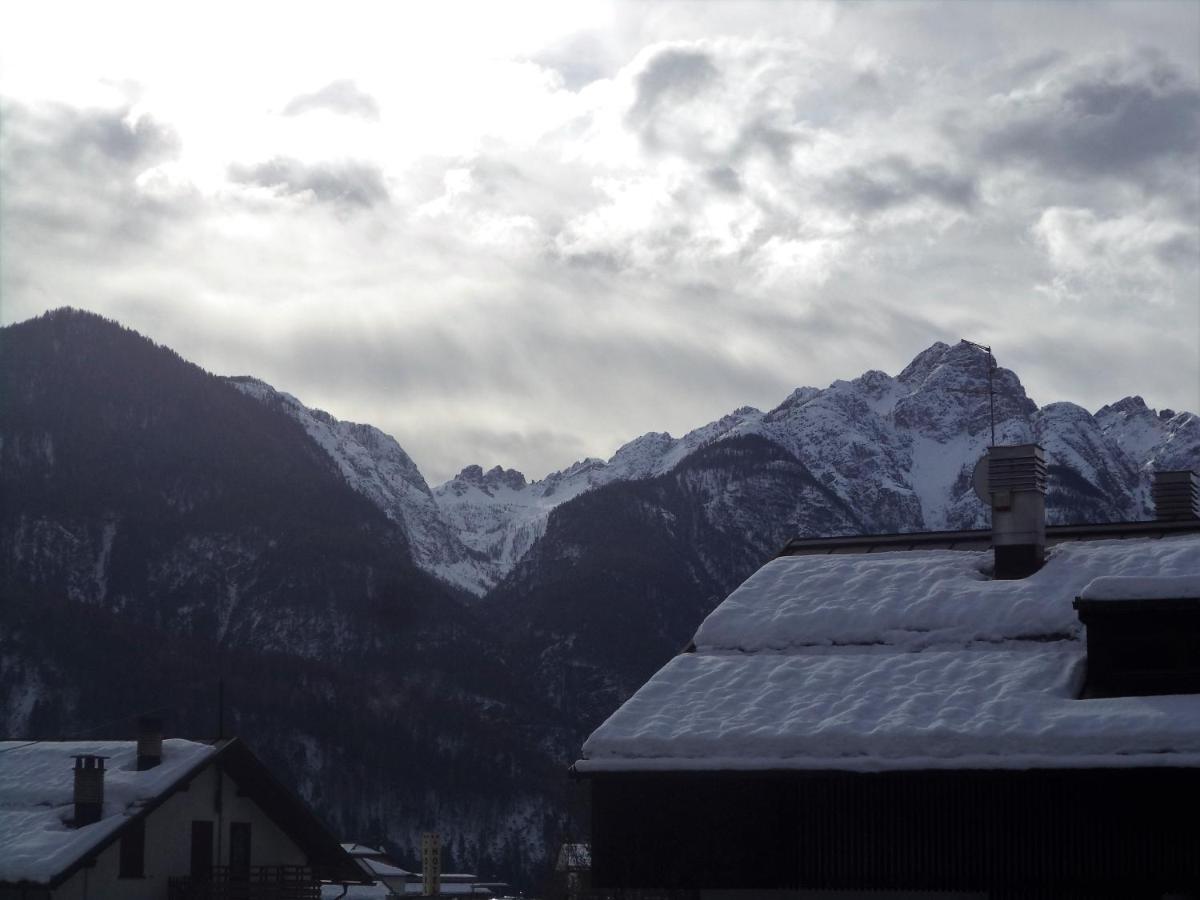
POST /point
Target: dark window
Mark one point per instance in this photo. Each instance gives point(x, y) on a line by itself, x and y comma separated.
point(202, 850)
point(133, 850)
point(1141, 647)
point(239, 849)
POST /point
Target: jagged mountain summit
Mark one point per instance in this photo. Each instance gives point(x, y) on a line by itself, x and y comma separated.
point(898, 451)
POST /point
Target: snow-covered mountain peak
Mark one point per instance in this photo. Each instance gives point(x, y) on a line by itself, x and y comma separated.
point(923, 363)
point(639, 457)
point(494, 479)
point(952, 393)
point(895, 452)
point(375, 465)
point(798, 397)
point(1153, 439)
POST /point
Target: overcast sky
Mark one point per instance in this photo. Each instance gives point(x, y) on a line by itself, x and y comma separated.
point(526, 233)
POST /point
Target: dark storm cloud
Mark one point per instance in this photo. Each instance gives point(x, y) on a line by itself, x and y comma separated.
point(343, 183)
point(895, 180)
point(1116, 122)
point(342, 96)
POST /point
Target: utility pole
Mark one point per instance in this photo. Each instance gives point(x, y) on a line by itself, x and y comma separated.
point(991, 367)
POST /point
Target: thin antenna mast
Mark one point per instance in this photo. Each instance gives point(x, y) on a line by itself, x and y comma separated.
point(991, 367)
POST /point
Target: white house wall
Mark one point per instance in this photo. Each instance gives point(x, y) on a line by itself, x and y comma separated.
point(168, 843)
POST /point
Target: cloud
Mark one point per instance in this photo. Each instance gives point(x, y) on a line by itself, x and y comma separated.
point(343, 97)
point(342, 183)
point(581, 232)
point(895, 180)
point(109, 140)
point(1117, 119)
point(1131, 259)
point(672, 76)
point(84, 176)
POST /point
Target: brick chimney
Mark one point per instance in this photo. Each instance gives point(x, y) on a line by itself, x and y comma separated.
point(89, 789)
point(1176, 496)
point(149, 742)
point(1017, 485)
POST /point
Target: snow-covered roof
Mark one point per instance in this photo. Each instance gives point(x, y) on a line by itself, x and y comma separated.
point(37, 798)
point(905, 660)
point(381, 869)
point(1129, 587)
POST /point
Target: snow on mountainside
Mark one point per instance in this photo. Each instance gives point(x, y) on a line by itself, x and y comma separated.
point(500, 515)
point(899, 451)
point(375, 465)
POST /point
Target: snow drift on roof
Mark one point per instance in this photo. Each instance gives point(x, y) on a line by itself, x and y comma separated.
point(910, 660)
point(37, 798)
point(915, 599)
point(1125, 587)
point(877, 711)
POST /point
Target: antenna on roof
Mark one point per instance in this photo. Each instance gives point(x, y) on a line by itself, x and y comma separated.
point(991, 367)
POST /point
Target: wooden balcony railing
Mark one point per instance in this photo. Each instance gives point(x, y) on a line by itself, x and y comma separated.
point(260, 883)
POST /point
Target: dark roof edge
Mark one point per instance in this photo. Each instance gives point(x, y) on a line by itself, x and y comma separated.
point(295, 817)
point(978, 538)
point(812, 774)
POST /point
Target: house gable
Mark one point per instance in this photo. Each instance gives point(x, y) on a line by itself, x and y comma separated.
point(221, 784)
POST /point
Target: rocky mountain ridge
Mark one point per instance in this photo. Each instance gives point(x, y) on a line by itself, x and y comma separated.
point(899, 449)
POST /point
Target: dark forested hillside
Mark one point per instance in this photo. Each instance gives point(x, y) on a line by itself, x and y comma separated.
point(160, 531)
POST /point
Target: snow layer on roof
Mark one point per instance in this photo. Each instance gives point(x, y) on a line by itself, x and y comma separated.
point(37, 799)
point(871, 662)
point(1126, 587)
point(381, 869)
point(875, 711)
point(916, 599)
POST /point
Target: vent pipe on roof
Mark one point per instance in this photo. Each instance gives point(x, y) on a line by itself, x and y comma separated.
point(149, 742)
point(1176, 496)
point(1016, 482)
point(89, 789)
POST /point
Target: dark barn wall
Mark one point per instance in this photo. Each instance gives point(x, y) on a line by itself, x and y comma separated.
point(1044, 833)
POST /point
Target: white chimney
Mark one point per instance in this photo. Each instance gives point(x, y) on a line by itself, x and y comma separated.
point(1017, 485)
